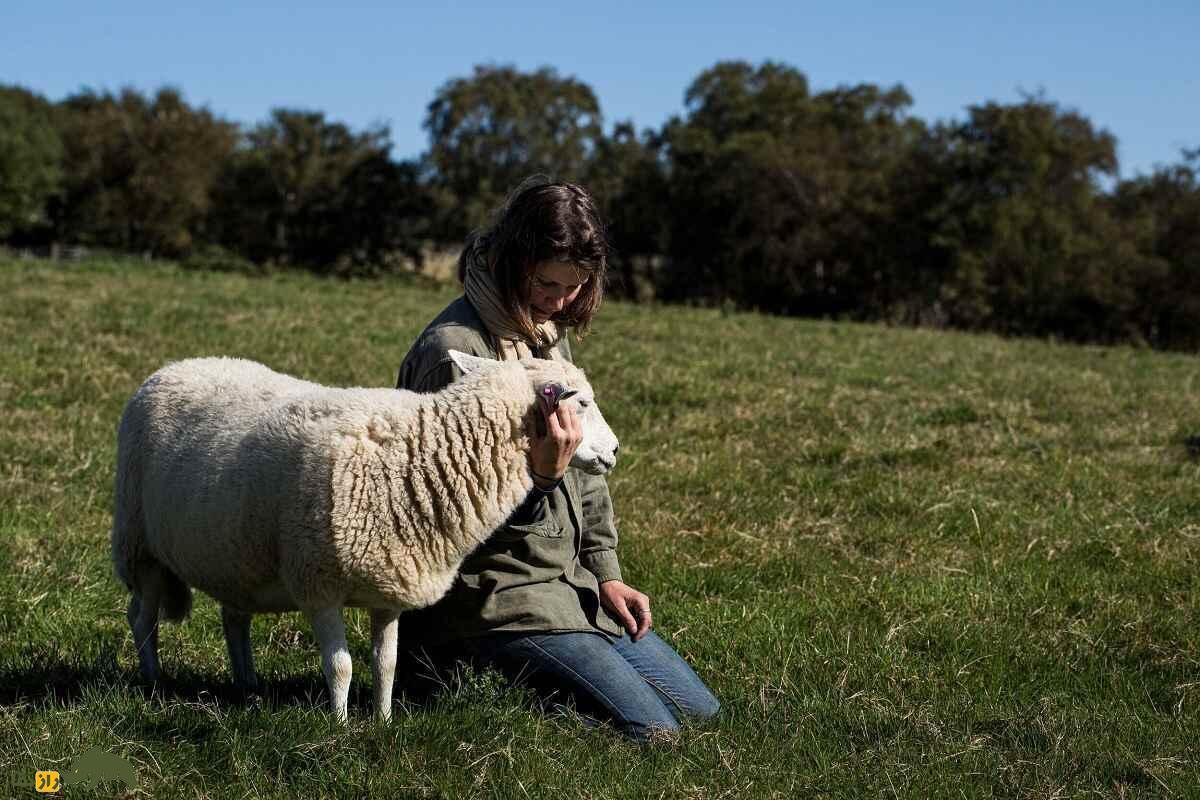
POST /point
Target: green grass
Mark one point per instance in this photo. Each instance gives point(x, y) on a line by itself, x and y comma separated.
point(910, 563)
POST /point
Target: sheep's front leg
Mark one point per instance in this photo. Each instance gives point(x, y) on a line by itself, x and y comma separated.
point(383, 663)
point(236, 625)
point(335, 657)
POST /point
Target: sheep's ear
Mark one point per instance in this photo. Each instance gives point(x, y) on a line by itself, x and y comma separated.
point(551, 394)
point(469, 363)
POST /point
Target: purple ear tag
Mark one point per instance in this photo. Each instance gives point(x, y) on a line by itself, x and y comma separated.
point(549, 396)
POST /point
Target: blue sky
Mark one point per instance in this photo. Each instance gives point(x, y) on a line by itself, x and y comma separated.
point(1134, 71)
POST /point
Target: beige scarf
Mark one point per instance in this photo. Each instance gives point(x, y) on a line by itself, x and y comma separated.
point(482, 292)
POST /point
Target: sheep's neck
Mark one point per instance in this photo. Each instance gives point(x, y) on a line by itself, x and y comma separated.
point(462, 467)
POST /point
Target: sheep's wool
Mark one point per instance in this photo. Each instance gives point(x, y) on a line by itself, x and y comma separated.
point(272, 493)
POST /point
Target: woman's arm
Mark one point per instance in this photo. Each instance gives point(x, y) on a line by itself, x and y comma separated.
point(599, 547)
point(599, 555)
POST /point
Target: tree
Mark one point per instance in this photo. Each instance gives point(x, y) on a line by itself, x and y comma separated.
point(303, 190)
point(385, 211)
point(733, 97)
point(30, 160)
point(628, 179)
point(1161, 213)
point(139, 172)
point(490, 131)
point(780, 199)
point(1029, 244)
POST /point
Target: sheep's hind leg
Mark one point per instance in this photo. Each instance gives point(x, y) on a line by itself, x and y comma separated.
point(335, 656)
point(383, 662)
point(236, 625)
point(143, 615)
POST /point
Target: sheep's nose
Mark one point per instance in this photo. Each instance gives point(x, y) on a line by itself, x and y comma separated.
point(616, 447)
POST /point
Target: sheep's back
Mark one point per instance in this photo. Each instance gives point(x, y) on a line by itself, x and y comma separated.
point(223, 444)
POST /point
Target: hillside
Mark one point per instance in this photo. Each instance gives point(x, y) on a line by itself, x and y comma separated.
point(909, 562)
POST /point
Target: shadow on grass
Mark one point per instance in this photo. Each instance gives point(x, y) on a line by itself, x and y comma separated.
point(52, 677)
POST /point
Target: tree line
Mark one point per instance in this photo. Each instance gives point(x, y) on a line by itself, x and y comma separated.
point(763, 194)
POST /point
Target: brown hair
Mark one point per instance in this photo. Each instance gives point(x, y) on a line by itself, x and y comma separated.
point(543, 221)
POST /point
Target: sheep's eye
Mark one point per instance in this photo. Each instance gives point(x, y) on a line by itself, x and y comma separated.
point(584, 403)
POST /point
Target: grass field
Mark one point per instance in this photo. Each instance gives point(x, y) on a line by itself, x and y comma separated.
point(910, 563)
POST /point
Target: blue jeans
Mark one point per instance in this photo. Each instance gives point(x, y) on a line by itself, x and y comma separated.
point(642, 687)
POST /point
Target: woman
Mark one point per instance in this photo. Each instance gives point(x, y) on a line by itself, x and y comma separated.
point(543, 599)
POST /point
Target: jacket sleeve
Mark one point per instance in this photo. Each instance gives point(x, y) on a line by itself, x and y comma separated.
point(435, 371)
point(598, 552)
point(431, 377)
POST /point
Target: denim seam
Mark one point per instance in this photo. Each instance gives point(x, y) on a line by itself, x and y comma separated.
point(680, 706)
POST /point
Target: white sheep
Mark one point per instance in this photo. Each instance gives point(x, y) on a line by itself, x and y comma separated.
point(275, 494)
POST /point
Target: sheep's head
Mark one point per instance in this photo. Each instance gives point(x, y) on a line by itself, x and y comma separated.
point(556, 383)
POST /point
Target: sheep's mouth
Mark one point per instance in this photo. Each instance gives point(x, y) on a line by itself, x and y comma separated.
point(600, 465)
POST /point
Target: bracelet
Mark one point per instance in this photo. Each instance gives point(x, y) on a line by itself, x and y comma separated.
point(536, 474)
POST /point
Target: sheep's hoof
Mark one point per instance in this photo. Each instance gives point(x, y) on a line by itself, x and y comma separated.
point(249, 695)
point(251, 685)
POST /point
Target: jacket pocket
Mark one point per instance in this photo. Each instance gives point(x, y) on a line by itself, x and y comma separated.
point(549, 528)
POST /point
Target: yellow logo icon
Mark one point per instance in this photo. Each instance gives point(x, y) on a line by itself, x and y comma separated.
point(47, 781)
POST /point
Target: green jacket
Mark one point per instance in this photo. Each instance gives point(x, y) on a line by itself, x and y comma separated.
point(538, 572)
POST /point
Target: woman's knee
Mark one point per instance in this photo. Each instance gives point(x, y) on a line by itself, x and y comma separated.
point(703, 706)
point(672, 677)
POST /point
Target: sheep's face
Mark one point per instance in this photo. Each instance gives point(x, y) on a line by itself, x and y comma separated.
point(597, 452)
point(560, 383)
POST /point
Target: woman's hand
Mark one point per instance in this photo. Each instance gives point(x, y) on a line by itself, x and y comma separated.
point(631, 607)
point(550, 455)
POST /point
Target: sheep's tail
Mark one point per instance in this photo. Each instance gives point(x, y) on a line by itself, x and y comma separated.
point(143, 574)
point(133, 563)
point(128, 528)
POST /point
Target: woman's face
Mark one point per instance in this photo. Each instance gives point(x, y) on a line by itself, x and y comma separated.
point(554, 286)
